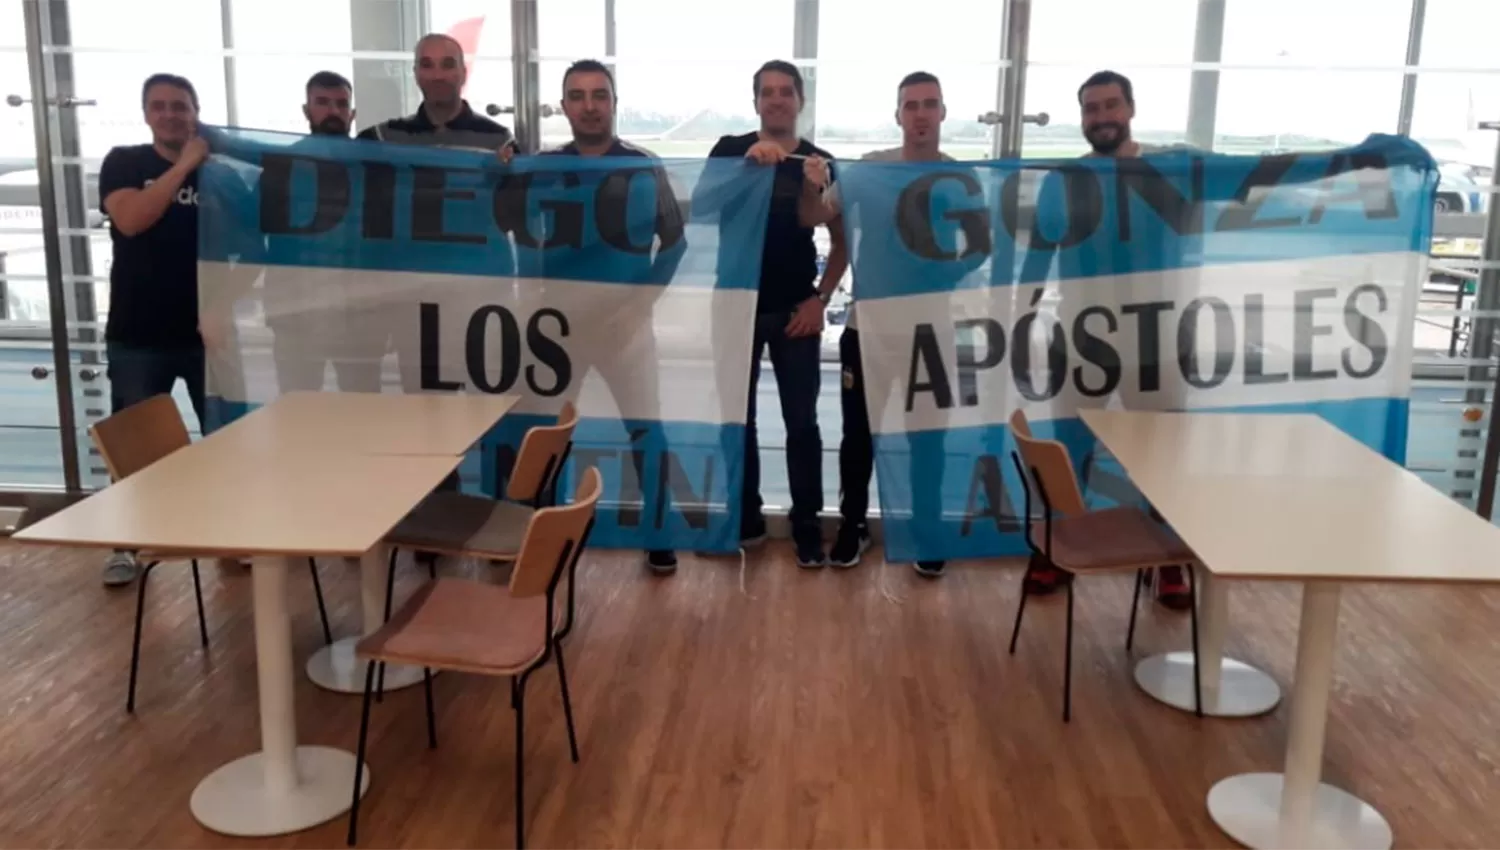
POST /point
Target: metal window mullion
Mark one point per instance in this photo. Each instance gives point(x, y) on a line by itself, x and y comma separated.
point(524, 74)
point(1413, 58)
point(36, 30)
point(1203, 94)
point(805, 46)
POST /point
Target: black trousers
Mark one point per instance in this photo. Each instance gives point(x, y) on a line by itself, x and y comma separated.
point(857, 450)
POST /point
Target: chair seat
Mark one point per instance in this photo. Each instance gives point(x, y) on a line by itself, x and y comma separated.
point(458, 524)
point(465, 625)
point(1112, 539)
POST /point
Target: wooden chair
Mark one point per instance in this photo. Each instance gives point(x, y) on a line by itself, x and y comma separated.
point(471, 626)
point(130, 441)
point(1072, 538)
point(452, 523)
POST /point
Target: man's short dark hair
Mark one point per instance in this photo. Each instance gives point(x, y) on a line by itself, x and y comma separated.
point(782, 67)
point(590, 66)
point(916, 78)
point(173, 80)
point(328, 80)
point(1105, 78)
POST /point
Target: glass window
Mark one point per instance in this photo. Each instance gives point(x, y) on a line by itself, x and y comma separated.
point(270, 88)
point(482, 27)
point(1451, 102)
point(1297, 87)
point(1071, 39)
point(862, 58)
point(678, 92)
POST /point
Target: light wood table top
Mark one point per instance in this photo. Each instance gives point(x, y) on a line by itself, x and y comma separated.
point(212, 498)
point(1281, 496)
point(371, 423)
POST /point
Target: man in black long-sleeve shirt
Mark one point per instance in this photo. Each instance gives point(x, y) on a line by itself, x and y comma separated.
point(789, 310)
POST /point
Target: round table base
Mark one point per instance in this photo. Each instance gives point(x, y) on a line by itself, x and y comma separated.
point(334, 667)
point(1243, 690)
point(1248, 808)
point(233, 800)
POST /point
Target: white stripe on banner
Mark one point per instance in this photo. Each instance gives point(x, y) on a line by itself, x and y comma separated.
point(1271, 333)
point(631, 351)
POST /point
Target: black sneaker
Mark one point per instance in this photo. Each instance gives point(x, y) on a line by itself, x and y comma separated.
point(810, 552)
point(852, 542)
point(930, 569)
point(663, 562)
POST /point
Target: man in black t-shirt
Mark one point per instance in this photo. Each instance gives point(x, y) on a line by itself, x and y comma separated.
point(789, 309)
point(629, 368)
point(150, 194)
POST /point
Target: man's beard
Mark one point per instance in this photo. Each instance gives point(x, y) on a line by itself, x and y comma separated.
point(1106, 146)
point(330, 126)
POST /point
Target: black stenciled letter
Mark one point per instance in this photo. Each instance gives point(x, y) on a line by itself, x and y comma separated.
point(914, 218)
point(1187, 342)
point(1304, 332)
point(1365, 331)
point(1255, 344)
point(612, 211)
point(925, 352)
point(510, 349)
point(429, 351)
point(549, 352)
point(1096, 351)
point(378, 219)
point(429, 196)
point(329, 206)
point(1182, 213)
point(1266, 174)
point(1148, 333)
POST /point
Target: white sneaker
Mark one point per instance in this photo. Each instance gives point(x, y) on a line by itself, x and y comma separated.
point(120, 570)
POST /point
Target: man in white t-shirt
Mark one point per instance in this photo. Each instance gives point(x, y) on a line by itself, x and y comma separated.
point(920, 113)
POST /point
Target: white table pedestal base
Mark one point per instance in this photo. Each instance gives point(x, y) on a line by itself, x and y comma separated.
point(1248, 808)
point(335, 668)
point(235, 800)
point(1243, 691)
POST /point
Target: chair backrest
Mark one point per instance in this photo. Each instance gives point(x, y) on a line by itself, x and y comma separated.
point(139, 436)
point(555, 538)
point(544, 449)
point(1048, 461)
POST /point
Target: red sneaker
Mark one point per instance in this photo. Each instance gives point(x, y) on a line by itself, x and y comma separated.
point(1172, 589)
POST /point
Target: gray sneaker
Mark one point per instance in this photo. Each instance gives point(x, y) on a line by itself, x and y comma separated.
point(120, 570)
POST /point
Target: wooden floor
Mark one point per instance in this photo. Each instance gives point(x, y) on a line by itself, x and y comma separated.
point(823, 709)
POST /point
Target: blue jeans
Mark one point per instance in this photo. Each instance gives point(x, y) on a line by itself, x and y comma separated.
point(797, 364)
point(138, 373)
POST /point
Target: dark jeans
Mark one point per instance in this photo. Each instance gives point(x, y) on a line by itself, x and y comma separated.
point(797, 365)
point(137, 373)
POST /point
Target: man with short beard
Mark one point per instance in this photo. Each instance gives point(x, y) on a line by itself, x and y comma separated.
point(1106, 102)
point(308, 334)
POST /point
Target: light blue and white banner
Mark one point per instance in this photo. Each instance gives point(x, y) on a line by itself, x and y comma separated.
point(1178, 281)
point(332, 263)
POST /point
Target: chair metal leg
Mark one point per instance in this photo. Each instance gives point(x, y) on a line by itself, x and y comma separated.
point(312, 567)
point(359, 753)
point(562, 677)
point(1068, 662)
point(390, 594)
point(431, 712)
point(135, 643)
point(198, 597)
point(1193, 613)
point(518, 700)
point(1015, 630)
point(1135, 605)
